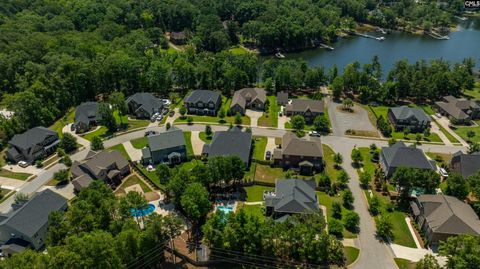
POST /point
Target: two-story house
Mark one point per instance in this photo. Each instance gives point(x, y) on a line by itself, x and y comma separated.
point(300, 154)
point(399, 155)
point(459, 111)
point(309, 109)
point(233, 142)
point(34, 144)
point(143, 105)
point(203, 102)
point(253, 98)
point(465, 164)
point(86, 116)
point(412, 118)
point(165, 147)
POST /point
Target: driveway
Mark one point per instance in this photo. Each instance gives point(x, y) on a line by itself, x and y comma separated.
point(342, 121)
point(67, 191)
point(444, 122)
point(197, 143)
point(82, 141)
point(435, 129)
point(254, 116)
point(31, 169)
point(270, 144)
point(10, 183)
point(175, 116)
point(281, 122)
point(135, 154)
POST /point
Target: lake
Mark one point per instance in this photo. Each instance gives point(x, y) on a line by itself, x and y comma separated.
point(463, 43)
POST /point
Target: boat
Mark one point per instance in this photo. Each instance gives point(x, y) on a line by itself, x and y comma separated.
point(461, 18)
point(279, 55)
point(380, 38)
point(325, 46)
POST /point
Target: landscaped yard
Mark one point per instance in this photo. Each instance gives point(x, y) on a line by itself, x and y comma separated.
point(439, 158)
point(330, 169)
point(255, 193)
point(101, 132)
point(259, 148)
point(351, 254)
point(447, 134)
point(14, 175)
point(139, 143)
point(188, 142)
point(60, 123)
point(121, 149)
point(265, 173)
point(132, 180)
point(254, 210)
point(270, 118)
point(462, 132)
point(203, 136)
point(327, 201)
point(474, 93)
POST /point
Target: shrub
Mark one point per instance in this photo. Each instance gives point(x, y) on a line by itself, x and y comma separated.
point(335, 227)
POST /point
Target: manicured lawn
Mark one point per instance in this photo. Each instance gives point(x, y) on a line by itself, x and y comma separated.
point(121, 149)
point(270, 119)
point(14, 175)
point(101, 132)
point(132, 180)
point(327, 201)
point(474, 93)
point(462, 132)
point(404, 264)
point(447, 134)
point(265, 173)
point(139, 143)
point(238, 50)
point(351, 254)
point(330, 169)
point(125, 124)
point(432, 138)
point(69, 117)
point(402, 235)
point(188, 142)
point(439, 158)
point(259, 148)
point(134, 124)
point(7, 194)
point(203, 136)
point(255, 193)
point(151, 175)
point(254, 210)
point(367, 163)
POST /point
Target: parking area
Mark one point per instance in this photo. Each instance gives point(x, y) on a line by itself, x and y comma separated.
point(342, 121)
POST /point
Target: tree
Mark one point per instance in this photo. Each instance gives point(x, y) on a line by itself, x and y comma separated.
point(374, 205)
point(470, 135)
point(195, 203)
point(418, 138)
point(117, 100)
point(406, 132)
point(347, 104)
point(324, 181)
point(298, 123)
point(107, 117)
point(474, 147)
point(365, 179)
point(351, 221)
point(183, 111)
point(189, 120)
point(343, 178)
point(321, 124)
point(238, 119)
point(338, 159)
point(426, 132)
point(384, 227)
point(428, 262)
point(336, 210)
point(163, 172)
point(21, 198)
point(462, 251)
point(62, 176)
point(457, 186)
point(356, 156)
point(348, 199)
point(474, 184)
point(168, 125)
point(208, 130)
point(221, 114)
point(96, 143)
point(337, 87)
point(335, 227)
point(68, 142)
point(392, 141)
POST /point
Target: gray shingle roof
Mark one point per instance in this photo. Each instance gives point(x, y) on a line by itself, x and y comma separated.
point(31, 137)
point(32, 216)
point(455, 107)
point(98, 162)
point(282, 97)
point(147, 101)
point(87, 111)
point(294, 196)
point(447, 214)
point(292, 145)
point(399, 155)
point(204, 96)
point(230, 143)
point(469, 163)
point(408, 113)
point(240, 96)
point(171, 138)
point(302, 105)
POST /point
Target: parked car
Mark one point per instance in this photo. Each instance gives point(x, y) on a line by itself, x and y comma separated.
point(268, 155)
point(443, 172)
point(153, 119)
point(165, 111)
point(160, 118)
point(148, 133)
point(22, 164)
point(172, 112)
point(452, 127)
point(314, 133)
point(166, 102)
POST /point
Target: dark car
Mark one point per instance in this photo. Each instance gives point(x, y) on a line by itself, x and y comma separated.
point(268, 155)
point(149, 133)
point(172, 112)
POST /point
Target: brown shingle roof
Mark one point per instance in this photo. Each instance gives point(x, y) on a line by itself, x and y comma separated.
point(292, 145)
point(302, 105)
point(240, 96)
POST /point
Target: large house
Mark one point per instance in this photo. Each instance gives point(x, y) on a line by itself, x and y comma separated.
point(291, 196)
point(412, 118)
point(34, 144)
point(309, 109)
point(86, 116)
point(108, 166)
point(144, 105)
point(460, 111)
point(465, 164)
point(399, 155)
point(166, 147)
point(253, 98)
point(178, 38)
point(28, 225)
point(441, 216)
point(299, 153)
point(233, 142)
point(203, 102)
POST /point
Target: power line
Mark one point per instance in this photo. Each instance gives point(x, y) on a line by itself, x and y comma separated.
point(151, 251)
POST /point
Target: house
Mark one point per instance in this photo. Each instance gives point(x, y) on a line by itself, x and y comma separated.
point(86, 116)
point(143, 105)
point(282, 98)
point(108, 166)
point(233, 142)
point(203, 102)
point(291, 196)
point(399, 155)
point(166, 147)
point(178, 38)
point(34, 144)
point(442, 216)
point(460, 111)
point(412, 118)
point(28, 225)
point(309, 109)
point(465, 164)
point(299, 153)
point(253, 98)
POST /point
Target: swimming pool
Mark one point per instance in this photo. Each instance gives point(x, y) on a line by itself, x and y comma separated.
point(142, 212)
point(225, 209)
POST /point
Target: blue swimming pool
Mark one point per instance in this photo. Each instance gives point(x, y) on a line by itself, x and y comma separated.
point(225, 209)
point(142, 212)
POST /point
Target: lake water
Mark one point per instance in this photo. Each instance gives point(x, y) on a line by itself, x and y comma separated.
point(463, 43)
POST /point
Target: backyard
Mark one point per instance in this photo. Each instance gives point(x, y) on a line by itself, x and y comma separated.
point(130, 181)
point(60, 123)
point(270, 119)
point(265, 173)
point(255, 193)
point(330, 169)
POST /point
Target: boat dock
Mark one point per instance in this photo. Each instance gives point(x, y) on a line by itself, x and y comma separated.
point(437, 36)
point(325, 46)
point(381, 38)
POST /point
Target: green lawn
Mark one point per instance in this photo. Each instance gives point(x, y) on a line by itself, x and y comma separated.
point(125, 124)
point(121, 149)
point(367, 163)
point(69, 117)
point(237, 50)
point(404, 264)
point(101, 132)
point(188, 142)
point(132, 180)
point(439, 158)
point(255, 193)
point(259, 148)
point(351, 254)
point(330, 169)
point(447, 134)
point(151, 175)
point(474, 93)
point(14, 175)
point(254, 210)
point(327, 201)
point(270, 119)
point(268, 174)
point(203, 136)
point(462, 132)
point(139, 143)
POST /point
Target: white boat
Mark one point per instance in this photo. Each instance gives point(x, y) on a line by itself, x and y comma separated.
point(279, 55)
point(380, 38)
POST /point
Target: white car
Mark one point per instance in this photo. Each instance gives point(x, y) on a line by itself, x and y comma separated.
point(166, 102)
point(443, 172)
point(314, 133)
point(22, 164)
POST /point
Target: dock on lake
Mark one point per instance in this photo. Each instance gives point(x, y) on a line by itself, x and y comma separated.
point(381, 38)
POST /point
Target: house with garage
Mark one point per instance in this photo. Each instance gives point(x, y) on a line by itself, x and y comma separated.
point(282, 98)
point(309, 109)
point(400, 155)
point(412, 118)
point(252, 98)
point(178, 38)
point(291, 196)
point(143, 105)
point(299, 154)
point(442, 216)
point(36, 143)
point(465, 164)
point(203, 102)
point(27, 226)
point(165, 147)
point(86, 116)
point(109, 166)
point(233, 142)
point(459, 111)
